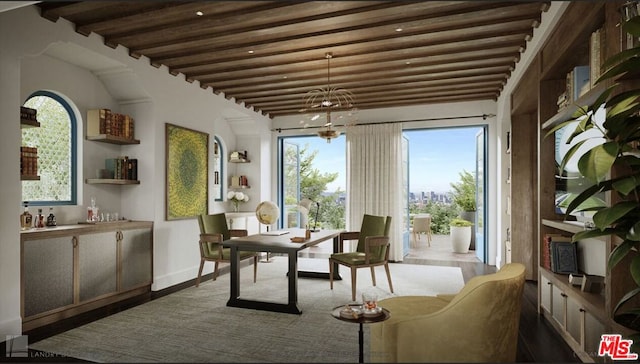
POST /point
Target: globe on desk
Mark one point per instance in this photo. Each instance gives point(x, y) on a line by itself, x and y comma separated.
point(267, 213)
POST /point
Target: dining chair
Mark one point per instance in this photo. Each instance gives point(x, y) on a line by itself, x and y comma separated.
point(422, 224)
point(213, 231)
point(372, 250)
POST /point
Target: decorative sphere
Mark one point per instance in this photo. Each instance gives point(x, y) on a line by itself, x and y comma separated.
point(267, 212)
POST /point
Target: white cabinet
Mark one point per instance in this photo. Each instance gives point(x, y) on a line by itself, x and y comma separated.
point(573, 314)
point(243, 220)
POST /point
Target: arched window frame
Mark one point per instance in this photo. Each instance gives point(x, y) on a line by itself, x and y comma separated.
point(73, 120)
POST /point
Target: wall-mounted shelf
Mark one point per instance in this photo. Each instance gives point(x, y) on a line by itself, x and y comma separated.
point(26, 123)
point(29, 178)
point(239, 161)
point(108, 181)
point(105, 138)
point(239, 187)
point(587, 99)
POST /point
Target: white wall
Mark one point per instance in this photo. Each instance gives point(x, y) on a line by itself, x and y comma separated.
point(39, 54)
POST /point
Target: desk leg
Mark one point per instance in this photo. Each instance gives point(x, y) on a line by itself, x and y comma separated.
point(361, 344)
point(336, 266)
point(293, 280)
point(325, 275)
point(234, 276)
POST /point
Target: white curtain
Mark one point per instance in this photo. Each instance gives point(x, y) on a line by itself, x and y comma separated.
point(374, 178)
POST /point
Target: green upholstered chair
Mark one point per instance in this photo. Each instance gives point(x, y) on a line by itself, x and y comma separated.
point(372, 250)
point(479, 324)
point(213, 231)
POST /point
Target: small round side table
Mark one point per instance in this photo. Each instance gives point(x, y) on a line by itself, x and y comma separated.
point(384, 315)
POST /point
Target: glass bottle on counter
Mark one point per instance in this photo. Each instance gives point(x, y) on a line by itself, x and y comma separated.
point(51, 219)
point(26, 219)
point(39, 219)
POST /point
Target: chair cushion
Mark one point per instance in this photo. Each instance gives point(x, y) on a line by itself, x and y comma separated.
point(353, 258)
point(226, 253)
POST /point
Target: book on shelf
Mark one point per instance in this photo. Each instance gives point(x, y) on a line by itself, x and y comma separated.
point(564, 257)
point(546, 260)
point(596, 54)
point(28, 161)
point(28, 113)
point(104, 121)
point(122, 168)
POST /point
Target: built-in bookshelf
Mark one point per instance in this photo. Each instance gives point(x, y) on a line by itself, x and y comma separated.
point(569, 64)
point(105, 126)
point(239, 181)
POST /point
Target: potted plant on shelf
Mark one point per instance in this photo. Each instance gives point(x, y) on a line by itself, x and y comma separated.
point(460, 232)
point(464, 196)
point(614, 166)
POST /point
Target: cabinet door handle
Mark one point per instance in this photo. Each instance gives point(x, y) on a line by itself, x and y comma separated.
point(563, 294)
point(582, 310)
point(74, 241)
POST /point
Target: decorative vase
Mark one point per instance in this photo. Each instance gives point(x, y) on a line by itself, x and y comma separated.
point(470, 216)
point(460, 238)
point(236, 206)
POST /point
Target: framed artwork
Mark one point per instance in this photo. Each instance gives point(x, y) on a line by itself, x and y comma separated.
point(187, 153)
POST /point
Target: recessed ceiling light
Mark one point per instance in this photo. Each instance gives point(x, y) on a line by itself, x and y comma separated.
point(407, 62)
point(284, 77)
point(199, 13)
point(250, 52)
point(399, 29)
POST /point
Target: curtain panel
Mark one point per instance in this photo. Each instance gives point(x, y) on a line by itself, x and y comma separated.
point(374, 178)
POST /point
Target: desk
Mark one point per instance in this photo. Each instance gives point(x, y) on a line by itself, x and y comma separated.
point(276, 244)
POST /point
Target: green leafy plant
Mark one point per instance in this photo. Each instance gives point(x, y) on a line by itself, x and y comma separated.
point(464, 191)
point(614, 166)
point(460, 222)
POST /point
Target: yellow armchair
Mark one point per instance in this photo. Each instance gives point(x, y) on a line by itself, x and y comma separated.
point(479, 324)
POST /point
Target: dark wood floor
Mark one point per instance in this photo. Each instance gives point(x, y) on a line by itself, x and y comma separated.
point(537, 341)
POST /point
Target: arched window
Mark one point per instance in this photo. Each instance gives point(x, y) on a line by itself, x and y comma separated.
point(55, 141)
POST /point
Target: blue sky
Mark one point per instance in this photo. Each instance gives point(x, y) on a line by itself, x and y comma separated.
point(436, 157)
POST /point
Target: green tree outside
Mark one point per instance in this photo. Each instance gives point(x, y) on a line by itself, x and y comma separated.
point(313, 185)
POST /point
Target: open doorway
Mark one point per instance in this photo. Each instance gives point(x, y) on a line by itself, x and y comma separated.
point(445, 162)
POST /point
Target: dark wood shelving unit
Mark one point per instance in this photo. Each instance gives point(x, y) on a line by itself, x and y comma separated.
point(26, 123)
point(111, 139)
point(111, 181)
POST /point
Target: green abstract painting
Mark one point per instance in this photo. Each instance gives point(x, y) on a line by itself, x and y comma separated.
point(187, 153)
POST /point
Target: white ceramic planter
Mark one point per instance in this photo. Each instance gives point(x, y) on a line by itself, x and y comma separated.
point(460, 238)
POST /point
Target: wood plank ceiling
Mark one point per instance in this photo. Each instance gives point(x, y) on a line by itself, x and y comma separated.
point(269, 54)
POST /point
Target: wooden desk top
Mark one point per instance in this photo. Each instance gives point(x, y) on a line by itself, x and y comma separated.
point(280, 243)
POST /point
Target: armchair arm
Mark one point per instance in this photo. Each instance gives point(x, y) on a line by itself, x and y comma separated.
point(347, 235)
point(211, 238)
point(238, 233)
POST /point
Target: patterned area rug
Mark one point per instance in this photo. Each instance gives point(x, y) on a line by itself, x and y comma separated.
point(195, 325)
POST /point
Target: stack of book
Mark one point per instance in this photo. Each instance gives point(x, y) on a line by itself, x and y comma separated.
point(27, 113)
point(106, 122)
point(578, 83)
point(28, 161)
point(122, 168)
point(559, 254)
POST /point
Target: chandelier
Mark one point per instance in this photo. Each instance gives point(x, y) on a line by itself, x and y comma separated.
point(328, 99)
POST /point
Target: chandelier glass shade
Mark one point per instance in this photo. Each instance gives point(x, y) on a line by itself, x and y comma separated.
point(328, 99)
